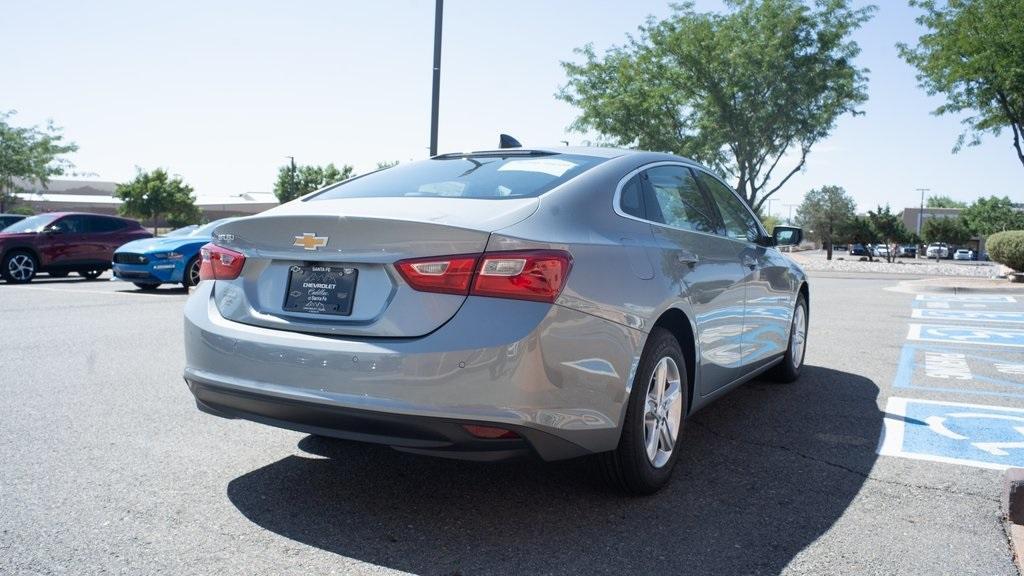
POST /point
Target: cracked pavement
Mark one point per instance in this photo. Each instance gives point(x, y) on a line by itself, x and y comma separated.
point(109, 468)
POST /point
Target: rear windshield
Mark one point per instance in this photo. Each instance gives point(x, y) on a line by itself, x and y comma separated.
point(469, 176)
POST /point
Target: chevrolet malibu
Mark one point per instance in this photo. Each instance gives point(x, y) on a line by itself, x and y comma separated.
point(559, 302)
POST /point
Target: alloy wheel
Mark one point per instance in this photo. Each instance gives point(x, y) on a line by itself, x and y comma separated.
point(193, 273)
point(663, 412)
point(799, 337)
point(21, 267)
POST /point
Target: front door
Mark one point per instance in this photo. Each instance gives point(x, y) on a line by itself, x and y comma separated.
point(766, 318)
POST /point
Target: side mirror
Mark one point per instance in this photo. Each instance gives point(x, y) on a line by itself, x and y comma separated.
point(53, 230)
point(787, 235)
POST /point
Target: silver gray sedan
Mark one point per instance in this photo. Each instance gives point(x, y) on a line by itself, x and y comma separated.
point(559, 302)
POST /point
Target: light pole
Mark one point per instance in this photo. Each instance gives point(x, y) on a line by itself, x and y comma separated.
point(291, 177)
point(436, 92)
point(920, 213)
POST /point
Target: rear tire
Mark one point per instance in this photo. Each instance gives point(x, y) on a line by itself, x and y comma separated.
point(634, 466)
point(789, 369)
point(90, 274)
point(19, 267)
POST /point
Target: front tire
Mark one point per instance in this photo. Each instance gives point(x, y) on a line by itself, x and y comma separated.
point(789, 369)
point(191, 277)
point(19, 267)
point(144, 286)
point(649, 444)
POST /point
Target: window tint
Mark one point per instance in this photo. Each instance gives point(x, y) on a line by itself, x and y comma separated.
point(70, 225)
point(101, 224)
point(739, 222)
point(490, 175)
point(680, 201)
point(630, 200)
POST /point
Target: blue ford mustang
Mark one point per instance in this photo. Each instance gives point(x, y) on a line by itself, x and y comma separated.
point(173, 258)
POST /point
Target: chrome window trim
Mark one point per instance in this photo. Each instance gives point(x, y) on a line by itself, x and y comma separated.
point(616, 199)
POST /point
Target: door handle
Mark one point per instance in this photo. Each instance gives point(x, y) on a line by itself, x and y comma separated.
point(686, 257)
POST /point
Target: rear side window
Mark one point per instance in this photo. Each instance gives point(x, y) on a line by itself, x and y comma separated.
point(101, 224)
point(679, 200)
point(630, 199)
point(490, 176)
point(739, 222)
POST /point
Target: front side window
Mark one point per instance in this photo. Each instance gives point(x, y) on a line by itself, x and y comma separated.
point(495, 176)
point(740, 224)
point(69, 225)
point(681, 204)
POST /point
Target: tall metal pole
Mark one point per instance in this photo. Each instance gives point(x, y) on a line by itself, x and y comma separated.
point(920, 213)
point(435, 96)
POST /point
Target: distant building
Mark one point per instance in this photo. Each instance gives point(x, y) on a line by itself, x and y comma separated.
point(98, 197)
point(913, 218)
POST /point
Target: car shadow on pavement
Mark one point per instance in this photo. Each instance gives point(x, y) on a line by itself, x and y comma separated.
point(764, 472)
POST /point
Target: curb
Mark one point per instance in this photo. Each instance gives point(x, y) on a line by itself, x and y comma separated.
point(1013, 509)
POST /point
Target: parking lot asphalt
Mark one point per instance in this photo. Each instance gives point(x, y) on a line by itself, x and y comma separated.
point(107, 466)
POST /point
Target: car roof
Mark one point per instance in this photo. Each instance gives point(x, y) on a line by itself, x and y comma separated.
point(594, 151)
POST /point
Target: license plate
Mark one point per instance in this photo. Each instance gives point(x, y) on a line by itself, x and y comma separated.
point(321, 289)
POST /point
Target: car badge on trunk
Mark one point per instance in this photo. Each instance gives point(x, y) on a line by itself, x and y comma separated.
point(310, 241)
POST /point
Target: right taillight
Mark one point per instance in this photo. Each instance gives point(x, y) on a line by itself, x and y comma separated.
point(220, 263)
point(522, 275)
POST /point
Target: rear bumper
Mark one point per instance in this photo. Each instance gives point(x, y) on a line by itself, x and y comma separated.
point(558, 377)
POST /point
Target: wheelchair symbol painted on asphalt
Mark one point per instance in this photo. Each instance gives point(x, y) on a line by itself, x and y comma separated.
point(966, 335)
point(966, 434)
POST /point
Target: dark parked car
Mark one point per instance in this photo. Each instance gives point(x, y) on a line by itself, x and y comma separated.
point(8, 219)
point(858, 250)
point(63, 242)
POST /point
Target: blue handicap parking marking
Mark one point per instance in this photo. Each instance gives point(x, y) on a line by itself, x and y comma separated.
point(973, 371)
point(999, 316)
point(994, 298)
point(966, 335)
point(966, 434)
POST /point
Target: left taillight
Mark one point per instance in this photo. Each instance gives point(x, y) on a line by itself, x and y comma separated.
point(220, 263)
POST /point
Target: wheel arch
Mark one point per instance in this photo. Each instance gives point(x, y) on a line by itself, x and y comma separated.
point(678, 323)
point(27, 249)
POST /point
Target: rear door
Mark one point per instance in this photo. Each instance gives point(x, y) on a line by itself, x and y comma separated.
point(105, 236)
point(768, 280)
point(699, 264)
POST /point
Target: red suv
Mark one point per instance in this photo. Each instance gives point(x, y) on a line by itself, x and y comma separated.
point(63, 242)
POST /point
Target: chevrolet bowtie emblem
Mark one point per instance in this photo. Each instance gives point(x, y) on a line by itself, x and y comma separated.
point(310, 241)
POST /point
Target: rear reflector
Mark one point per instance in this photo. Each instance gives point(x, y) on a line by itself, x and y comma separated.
point(489, 432)
point(445, 274)
point(220, 263)
point(522, 275)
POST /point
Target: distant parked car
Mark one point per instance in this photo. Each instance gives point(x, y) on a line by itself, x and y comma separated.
point(906, 251)
point(63, 242)
point(937, 250)
point(963, 254)
point(8, 219)
point(858, 250)
point(173, 258)
point(840, 247)
point(880, 251)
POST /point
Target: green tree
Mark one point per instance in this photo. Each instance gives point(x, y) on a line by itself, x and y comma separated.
point(859, 230)
point(944, 202)
point(157, 196)
point(295, 181)
point(889, 229)
point(825, 211)
point(972, 53)
point(386, 164)
point(31, 154)
point(990, 215)
point(737, 90)
point(949, 230)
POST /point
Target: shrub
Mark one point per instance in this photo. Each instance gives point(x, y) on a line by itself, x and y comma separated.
point(1007, 248)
